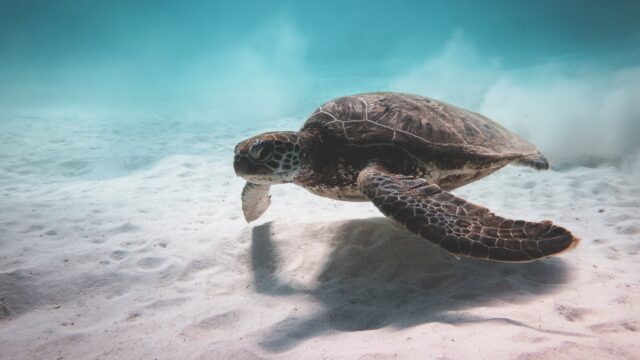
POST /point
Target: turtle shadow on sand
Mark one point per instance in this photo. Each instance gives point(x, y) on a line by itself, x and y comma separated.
point(377, 275)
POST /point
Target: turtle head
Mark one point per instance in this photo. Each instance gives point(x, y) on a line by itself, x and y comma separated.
point(269, 158)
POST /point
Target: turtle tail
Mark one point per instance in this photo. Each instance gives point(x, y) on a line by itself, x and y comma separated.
point(536, 161)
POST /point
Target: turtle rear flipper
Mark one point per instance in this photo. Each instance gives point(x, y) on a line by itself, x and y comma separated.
point(536, 161)
point(458, 226)
point(255, 200)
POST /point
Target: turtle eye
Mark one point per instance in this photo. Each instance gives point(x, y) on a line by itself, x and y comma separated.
point(261, 151)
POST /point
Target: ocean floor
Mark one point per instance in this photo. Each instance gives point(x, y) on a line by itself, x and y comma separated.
point(124, 239)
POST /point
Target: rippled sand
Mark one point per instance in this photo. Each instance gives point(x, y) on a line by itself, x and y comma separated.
point(121, 242)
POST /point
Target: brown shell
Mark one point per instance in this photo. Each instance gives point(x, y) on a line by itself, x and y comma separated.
point(419, 124)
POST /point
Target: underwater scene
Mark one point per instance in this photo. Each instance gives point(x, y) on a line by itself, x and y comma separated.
point(319, 179)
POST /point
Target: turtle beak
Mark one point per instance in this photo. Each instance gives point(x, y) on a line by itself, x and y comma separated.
point(246, 168)
point(241, 165)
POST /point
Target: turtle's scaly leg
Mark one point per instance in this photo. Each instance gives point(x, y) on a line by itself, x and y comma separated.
point(458, 226)
point(255, 200)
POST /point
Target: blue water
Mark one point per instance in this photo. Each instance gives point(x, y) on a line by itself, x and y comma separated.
point(121, 228)
point(126, 74)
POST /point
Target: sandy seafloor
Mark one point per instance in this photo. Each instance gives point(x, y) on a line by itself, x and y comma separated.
point(124, 239)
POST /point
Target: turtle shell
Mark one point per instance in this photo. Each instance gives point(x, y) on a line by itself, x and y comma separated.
point(425, 127)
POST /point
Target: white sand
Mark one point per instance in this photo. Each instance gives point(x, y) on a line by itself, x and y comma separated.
point(126, 242)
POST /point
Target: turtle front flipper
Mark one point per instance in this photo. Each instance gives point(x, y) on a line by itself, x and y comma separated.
point(255, 200)
point(458, 226)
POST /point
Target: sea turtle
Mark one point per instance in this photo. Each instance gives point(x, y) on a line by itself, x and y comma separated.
point(404, 153)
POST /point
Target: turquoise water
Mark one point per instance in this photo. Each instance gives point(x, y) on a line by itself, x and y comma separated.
point(203, 75)
point(121, 228)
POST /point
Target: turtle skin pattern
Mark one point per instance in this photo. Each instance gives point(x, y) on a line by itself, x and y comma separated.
point(458, 226)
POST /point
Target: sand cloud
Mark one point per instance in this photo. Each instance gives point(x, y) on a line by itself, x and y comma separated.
point(261, 77)
point(575, 112)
